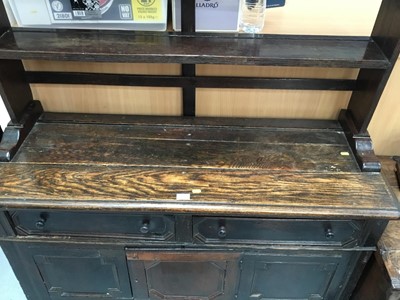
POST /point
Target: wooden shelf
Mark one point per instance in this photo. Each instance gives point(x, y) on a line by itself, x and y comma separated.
point(259, 167)
point(198, 48)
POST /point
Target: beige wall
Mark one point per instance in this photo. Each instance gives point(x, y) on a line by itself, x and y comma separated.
point(339, 17)
point(385, 125)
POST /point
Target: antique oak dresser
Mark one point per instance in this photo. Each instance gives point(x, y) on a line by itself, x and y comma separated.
point(136, 207)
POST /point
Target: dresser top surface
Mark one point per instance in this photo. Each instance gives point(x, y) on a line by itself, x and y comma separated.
point(201, 165)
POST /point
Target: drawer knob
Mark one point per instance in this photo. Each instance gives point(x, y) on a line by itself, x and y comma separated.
point(222, 231)
point(145, 228)
point(40, 224)
point(329, 234)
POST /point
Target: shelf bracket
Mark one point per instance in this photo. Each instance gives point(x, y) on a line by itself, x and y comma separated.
point(397, 160)
point(15, 133)
point(361, 144)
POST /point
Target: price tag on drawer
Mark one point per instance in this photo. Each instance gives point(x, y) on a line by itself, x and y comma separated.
point(183, 196)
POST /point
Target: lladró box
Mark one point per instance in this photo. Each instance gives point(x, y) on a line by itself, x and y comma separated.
point(99, 14)
point(211, 15)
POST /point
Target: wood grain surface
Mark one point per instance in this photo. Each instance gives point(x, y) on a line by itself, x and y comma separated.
point(177, 146)
point(390, 240)
point(217, 167)
point(241, 192)
point(389, 244)
point(391, 260)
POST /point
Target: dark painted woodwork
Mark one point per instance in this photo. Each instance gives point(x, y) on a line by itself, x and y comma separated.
point(2, 225)
point(82, 274)
point(14, 89)
point(184, 228)
point(157, 274)
point(88, 185)
point(189, 81)
point(389, 171)
point(197, 122)
point(5, 225)
point(4, 22)
point(397, 159)
point(189, 90)
point(293, 275)
point(25, 270)
point(360, 143)
point(398, 171)
point(389, 244)
point(188, 16)
point(15, 133)
point(381, 278)
point(64, 223)
point(60, 272)
point(125, 46)
point(386, 34)
point(188, 25)
point(346, 234)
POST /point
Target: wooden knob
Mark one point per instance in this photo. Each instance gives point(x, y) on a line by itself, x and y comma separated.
point(329, 234)
point(40, 224)
point(222, 231)
point(145, 228)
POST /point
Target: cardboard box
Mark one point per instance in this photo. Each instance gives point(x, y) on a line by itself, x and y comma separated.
point(97, 14)
point(211, 15)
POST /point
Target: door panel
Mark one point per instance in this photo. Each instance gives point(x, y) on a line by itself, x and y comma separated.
point(157, 274)
point(82, 273)
point(295, 275)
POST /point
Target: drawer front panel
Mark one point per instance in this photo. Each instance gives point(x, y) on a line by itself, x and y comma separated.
point(276, 231)
point(151, 227)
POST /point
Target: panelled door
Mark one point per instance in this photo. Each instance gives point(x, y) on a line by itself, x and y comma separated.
point(294, 275)
point(81, 273)
point(200, 275)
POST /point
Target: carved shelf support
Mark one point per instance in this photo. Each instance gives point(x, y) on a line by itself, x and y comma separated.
point(361, 144)
point(15, 134)
point(397, 160)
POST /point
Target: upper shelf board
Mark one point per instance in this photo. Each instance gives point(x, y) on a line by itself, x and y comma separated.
point(198, 48)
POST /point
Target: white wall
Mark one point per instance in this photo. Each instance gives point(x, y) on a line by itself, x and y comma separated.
point(9, 285)
point(4, 118)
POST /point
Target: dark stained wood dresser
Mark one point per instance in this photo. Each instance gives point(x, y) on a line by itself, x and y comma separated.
point(381, 277)
point(134, 207)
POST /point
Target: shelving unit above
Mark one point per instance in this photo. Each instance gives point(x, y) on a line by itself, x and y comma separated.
point(266, 208)
point(194, 48)
point(373, 55)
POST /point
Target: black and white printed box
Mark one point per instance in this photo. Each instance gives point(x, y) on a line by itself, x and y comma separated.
point(211, 15)
point(99, 14)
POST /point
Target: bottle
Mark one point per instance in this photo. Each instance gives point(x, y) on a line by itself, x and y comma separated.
point(252, 14)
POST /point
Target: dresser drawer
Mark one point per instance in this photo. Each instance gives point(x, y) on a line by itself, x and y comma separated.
point(122, 225)
point(276, 231)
